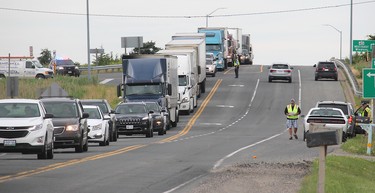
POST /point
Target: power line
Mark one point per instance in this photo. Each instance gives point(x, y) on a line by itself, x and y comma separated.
point(187, 16)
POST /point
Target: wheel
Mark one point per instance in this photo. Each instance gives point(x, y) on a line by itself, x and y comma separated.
point(290, 80)
point(50, 152)
point(269, 80)
point(43, 154)
point(214, 74)
point(336, 78)
point(39, 76)
point(2, 76)
point(111, 133)
point(79, 148)
point(86, 146)
point(304, 135)
point(115, 135)
point(344, 136)
point(316, 78)
point(102, 143)
point(149, 133)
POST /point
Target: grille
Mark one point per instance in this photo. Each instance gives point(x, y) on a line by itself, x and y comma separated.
point(58, 130)
point(13, 134)
point(14, 128)
point(130, 121)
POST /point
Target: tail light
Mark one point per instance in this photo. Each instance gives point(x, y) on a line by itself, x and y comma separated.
point(272, 70)
point(335, 69)
point(350, 119)
point(287, 71)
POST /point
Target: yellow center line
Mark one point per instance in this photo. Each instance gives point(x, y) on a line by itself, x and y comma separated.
point(196, 115)
point(115, 152)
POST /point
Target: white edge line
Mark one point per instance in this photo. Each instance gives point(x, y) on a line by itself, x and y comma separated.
point(181, 185)
point(218, 163)
point(2, 154)
point(106, 81)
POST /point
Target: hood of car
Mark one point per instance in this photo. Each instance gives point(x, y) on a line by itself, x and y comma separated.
point(20, 122)
point(122, 116)
point(64, 121)
point(92, 122)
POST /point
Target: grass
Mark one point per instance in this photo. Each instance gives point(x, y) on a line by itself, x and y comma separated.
point(343, 174)
point(358, 145)
point(81, 88)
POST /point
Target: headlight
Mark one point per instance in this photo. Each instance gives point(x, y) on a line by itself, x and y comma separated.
point(72, 127)
point(60, 68)
point(97, 127)
point(76, 67)
point(220, 62)
point(144, 118)
point(36, 127)
point(184, 100)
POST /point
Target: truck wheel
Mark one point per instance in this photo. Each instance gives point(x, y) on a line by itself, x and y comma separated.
point(203, 86)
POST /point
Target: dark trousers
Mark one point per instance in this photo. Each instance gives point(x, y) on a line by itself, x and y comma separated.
point(236, 70)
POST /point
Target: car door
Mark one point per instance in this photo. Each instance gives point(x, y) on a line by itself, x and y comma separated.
point(29, 70)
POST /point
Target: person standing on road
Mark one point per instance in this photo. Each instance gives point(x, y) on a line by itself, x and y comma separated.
point(366, 111)
point(236, 64)
point(292, 111)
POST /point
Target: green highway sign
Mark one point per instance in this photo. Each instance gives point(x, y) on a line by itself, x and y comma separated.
point(368, 78)
point(373, 63)
point(363, 45)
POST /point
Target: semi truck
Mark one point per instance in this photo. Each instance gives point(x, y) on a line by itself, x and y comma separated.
point(247, 50)
point(187, 78)
point(218, 42)
point(151, 78)
point(199, 46)
point(237, 39)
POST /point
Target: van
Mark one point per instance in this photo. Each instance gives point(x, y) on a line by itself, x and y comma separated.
point(29, 68)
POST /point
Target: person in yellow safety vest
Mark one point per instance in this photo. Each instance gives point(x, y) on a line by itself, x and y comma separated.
point(366, 111)
point(292, 111)
point(236, 64)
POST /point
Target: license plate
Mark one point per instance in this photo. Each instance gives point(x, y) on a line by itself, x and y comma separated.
point(129, 126)
point(69, 72)
point(10, 143)
point(326, 69)
point(280, 71)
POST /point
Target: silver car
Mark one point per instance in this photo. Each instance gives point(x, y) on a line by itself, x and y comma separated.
point(280, 71)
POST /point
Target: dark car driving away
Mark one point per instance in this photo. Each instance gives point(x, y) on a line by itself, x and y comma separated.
point(326, 70)
point(70, 123)
point(134, 118)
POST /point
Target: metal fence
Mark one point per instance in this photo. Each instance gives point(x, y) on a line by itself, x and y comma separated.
point(106, 68)
point(350, 75)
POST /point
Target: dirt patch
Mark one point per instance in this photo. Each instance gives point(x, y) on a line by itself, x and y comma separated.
point(255, 178)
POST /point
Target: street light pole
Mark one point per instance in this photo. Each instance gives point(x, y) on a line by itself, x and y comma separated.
point(340, 38)
point(208, 15)
point(88, 41)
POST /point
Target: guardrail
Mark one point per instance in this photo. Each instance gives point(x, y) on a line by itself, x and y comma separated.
point(351, 77)
point(106, 68)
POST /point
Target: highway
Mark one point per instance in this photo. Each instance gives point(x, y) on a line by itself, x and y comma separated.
point(236, 119)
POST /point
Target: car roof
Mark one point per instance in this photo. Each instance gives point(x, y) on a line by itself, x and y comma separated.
point(94, 100)
point(332, 102)
point(90, 106)
point(62, 99)
point(19, 101)
point(331, 108)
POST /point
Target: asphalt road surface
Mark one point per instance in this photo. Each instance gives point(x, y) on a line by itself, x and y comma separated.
point(237, 119)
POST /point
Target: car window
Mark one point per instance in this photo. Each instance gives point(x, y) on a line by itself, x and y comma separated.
point(19, 110)
point(101, 105)
point(64, 62)
point(326, 65)
point(325, 112)
point(62, 109)
point(153, 107)
point(93, 113)
point(343, 107)
point(131, 109)
point(280, 66)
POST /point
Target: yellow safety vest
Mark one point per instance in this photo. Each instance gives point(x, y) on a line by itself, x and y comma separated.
point(368, 110)
point(294, 111)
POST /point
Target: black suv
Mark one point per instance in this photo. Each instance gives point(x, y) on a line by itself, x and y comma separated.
point(70, 123)
point(134, 118)
point(326, 70)
point(348, 110)
point(108, 113)
point(65, 67)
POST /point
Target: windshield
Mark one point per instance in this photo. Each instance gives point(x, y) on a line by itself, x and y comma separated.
point(153, 107)
point(151, 89)
point(343, 107)
point(245, 51)
point(212, 48)
point(209, 61)
point(101, 105)
point(19, 110)
point(131, 109)
point(62, 109)
point(93, 113)
point(325, 112)
point(280, 66)
point(37, 64)
point(64, 62)
point(182, 80)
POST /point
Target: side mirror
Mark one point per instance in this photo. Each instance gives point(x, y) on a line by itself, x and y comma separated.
point(163, 111)
point(151, 112)
point(85, 115)
point(112, 111)
point(48, 116)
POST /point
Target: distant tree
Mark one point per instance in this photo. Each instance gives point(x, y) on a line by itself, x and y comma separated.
point(147, 48)
point(45, 57)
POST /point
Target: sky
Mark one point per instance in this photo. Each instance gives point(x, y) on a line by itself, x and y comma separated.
point(292, 31)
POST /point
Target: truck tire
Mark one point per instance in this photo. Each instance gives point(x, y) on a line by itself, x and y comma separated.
point(203, 86)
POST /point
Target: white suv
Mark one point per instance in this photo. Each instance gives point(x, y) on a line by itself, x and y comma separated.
point(25, 127)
